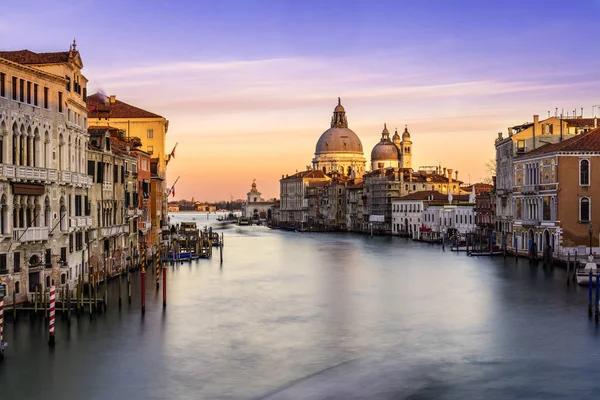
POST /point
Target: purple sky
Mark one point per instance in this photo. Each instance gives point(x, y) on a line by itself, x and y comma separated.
point(249, 86)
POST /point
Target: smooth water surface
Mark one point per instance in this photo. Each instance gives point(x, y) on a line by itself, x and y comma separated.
point(312, 316)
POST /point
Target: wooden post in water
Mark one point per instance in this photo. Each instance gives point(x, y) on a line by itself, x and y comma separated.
point(14, 307)
point(568, 268)
point(69, 297)
point(105, 282)
point(597, 295)
point(164, 274)
point(90, 285)
point(120, 276)
point(157, 266)
point(2, 325)
point(128, 286)
point(590, 296)
point(143, 275)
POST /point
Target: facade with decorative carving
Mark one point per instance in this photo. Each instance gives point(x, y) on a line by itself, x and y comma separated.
point(43, 181)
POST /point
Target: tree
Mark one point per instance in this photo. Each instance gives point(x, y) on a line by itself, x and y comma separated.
point(490, 171)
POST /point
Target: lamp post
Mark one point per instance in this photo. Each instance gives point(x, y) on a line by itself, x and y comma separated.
point(591, 232)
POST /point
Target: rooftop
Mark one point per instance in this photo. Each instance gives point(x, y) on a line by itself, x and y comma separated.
point(588, 141)
point(101, 106)
point(27, 57)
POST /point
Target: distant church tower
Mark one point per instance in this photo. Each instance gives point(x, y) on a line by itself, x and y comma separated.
point(406, 146)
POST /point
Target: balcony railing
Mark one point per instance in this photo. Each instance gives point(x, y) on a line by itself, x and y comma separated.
point(80, 222)
point(30, 235)
point(529, 189)
point(65, 176)
point(22, 172)
point(531, 222)
point(114, 230)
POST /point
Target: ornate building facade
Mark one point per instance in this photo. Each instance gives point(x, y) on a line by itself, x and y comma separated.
point(43, 181)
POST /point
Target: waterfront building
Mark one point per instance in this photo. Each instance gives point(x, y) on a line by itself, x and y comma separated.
point(408, 211)
point(44, 211)
point(140, 203)
point(293, 203)
point(110, 242)
point(339, 149)
point(386, 154)
point(454, 216)
point(354, 205)
point(485, 208)
point(381, 186)
point(520, 140)
point(256, 207)
point(553, 195)
point(332, 202)
point(173, 208)
point(151, 129)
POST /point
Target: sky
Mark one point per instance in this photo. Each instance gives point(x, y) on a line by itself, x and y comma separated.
point(248, 86)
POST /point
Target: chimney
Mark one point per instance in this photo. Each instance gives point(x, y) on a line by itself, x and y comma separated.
point(509, 132)
point(456, 174)
point(595, 122)
point(112, 99)
point(536, 119)
point(445, 172)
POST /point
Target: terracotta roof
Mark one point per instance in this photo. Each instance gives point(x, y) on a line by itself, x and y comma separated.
point(99, 107)
point(29, 57)
point(425, 195)
point(589, 141)
point(310, 174)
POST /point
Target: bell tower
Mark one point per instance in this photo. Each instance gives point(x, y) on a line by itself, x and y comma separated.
point(406, 146)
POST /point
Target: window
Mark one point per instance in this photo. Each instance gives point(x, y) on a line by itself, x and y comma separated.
point(584, 173)
point(28, 92)
point(91, 169)
point(150, 133)
point(584, 209)
point(3, 270)
point(14, 88)
point(122, 174)
point(520, 146)
point(35, 94)
point(17, 287)
point(17, 260)
point(68, 85)
point(21, 90)
point(78, 241)
point(63, 255)
point(2, 84)
point(47, 258)
point(60, 105)
point(115, 173)
point(150, 150)
point(46, 98)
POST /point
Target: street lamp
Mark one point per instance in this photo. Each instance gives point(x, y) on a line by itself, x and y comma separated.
point(591, 232)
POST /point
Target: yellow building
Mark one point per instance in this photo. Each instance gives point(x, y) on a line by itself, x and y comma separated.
point(151, 129)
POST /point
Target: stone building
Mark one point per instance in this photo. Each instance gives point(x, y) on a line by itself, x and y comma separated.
point(339, 149)
point(293, 209)
point(354, 205)
point(151, 129)
point(138, 201)
point(256, 207)
point(44, 214)
point(520, 140)
point(553, 196)
point(109, 242)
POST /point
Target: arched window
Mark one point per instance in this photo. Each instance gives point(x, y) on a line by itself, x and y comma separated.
point(3, 216)
point(584, 173)
point(584, 209)
point(17, 287)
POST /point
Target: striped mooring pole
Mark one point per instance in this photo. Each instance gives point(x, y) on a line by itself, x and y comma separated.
point(2, 344)
point(143, 274)
point(157, 266)
point(52, 316)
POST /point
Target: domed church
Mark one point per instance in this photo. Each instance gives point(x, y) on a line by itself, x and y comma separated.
point(394, 153)
point(339, 149)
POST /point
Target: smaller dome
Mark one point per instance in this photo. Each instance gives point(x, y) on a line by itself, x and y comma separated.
point(396, 136)
point(385, 150)
point(405, 134)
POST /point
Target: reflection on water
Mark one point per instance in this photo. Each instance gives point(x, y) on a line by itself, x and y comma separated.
point(298, 315)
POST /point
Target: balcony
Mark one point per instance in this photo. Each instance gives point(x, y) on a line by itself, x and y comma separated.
point(22, 172)
point(530, 222)
point(80, 222)
point(65, 176)
point(114, 230)
point(107, 186)
point(30, 235)
point(529, 189)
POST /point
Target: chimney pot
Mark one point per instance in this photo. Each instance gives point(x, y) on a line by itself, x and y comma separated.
point(112, 99)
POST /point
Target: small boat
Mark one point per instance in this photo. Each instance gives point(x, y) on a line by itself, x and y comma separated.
point(459, 248)
point(583, 274)
point(243, 221)
point(485, 253)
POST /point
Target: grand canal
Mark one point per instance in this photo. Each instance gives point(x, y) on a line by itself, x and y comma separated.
point(310, 316)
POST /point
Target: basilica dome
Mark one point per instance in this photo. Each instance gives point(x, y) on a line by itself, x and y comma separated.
point(385, 152)
point(339, 138)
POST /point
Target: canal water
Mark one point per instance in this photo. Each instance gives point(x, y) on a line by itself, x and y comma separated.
point(321, 316)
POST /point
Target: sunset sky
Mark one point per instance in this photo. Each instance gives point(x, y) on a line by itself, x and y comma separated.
point(249, 86)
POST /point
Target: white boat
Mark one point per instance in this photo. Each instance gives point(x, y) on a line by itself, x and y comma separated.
point(583, 274)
